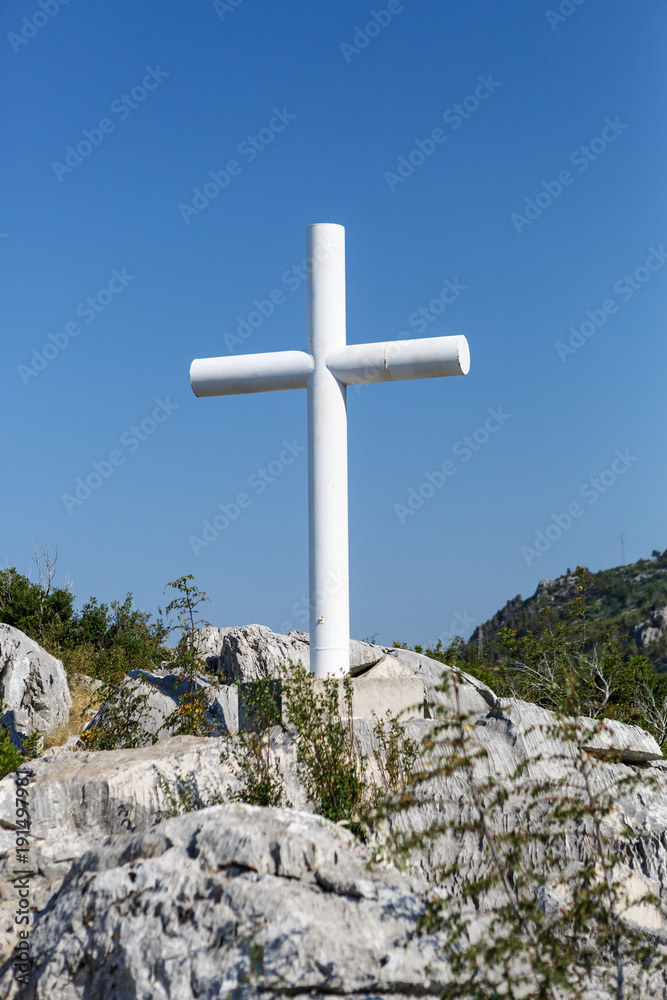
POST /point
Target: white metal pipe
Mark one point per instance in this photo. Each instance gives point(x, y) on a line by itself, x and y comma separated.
point(250, 373)
point(392, 360)
point(327, 456)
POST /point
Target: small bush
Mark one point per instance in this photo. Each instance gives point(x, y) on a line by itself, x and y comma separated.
point(249, 753)
point(330, 766)
point(189, 718)
point(10, 758)
point(540, 912)
point(120, 726)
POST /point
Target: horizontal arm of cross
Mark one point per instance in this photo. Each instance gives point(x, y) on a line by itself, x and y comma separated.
point(388, 361)
point(250, 373)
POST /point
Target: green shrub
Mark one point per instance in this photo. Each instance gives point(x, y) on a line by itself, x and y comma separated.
point(249, 753)
point(120, 724)
point(558, 667)
point(329, 763)
point(189, 718)
point(108, 642)
point(10, 758)
point(42, 614)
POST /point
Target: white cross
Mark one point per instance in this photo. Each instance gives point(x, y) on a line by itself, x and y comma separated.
point(325, 371)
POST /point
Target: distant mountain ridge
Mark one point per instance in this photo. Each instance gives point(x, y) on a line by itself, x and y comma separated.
point(630, 600)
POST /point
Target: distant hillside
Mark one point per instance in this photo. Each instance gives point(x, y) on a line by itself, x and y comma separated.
point(631, 600)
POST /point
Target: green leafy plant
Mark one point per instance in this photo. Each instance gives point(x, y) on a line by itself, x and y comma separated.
point(537, 918)
point(542, 906)
point(329, 762)
point(396, 754)
point(249, 753)
point(40, 610)
point(121, 722)
point(569, 664)
point(186, 606)
point(189, 718)
point(10, 758)
point(32, 746)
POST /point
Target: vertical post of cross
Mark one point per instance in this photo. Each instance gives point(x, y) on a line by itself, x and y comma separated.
point(327, 456)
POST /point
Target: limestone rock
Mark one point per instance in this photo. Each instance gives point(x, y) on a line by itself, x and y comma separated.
point(652, 629)
point(474, 696)
point(532, 732)
point(231, 898)
point(33, 684)
point(629, 744)
point(249, 652)
point(19, 724)
point(134, 905)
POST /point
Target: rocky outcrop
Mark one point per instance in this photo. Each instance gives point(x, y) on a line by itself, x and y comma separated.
point(250, 652)
point(653, 629)
point(232, 898)
point(33, 686)
point(230, 895)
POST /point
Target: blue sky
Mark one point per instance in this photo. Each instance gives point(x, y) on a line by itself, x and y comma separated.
point(543, 206)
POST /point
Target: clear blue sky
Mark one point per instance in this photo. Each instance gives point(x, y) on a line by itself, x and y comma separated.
point(169, 92)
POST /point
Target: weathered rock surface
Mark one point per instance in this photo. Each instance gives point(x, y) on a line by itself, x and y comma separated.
point(250, 652)
point(231, 898)
point(652, 629)
point(33, 685)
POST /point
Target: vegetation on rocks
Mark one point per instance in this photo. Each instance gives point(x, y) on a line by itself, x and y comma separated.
point(549, 908)
point(250, 752)
point(570, 663)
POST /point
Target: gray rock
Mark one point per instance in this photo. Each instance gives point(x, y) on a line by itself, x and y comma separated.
point(33, 684)
point(473, 695)
point(249, 652)
point(231, 898)
point(209, 643)
point(652, 629)
point(18, 722)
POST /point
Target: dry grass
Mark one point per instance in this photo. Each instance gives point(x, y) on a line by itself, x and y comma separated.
point(83, 699)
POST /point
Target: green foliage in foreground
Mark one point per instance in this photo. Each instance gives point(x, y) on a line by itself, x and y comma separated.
point(317, 716)
point(11, 757)
point(329, 764)
point(120, 726)
point(531, 917)
point(250, 753)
